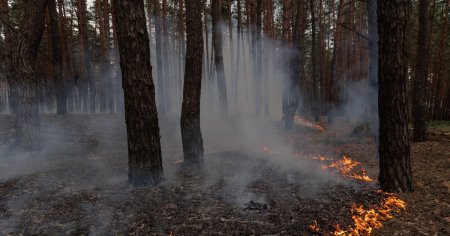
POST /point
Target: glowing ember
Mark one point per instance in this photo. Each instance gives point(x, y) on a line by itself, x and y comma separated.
point(314, 227)
point(306, 123)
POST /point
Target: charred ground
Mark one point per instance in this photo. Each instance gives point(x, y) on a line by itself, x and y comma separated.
point(77, 185)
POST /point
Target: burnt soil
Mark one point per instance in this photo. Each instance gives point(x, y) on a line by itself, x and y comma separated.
point(77, 184)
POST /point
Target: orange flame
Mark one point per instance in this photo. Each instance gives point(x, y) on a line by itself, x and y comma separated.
point(306, 123)
point(346, 168)
point(367, 220)
point(314, 227)
point(362, 176)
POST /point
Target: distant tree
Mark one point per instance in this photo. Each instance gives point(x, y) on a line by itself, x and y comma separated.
point(216, 11)
point(419, 109)
point(7, 54)
point(291, 87)
point(144, 148)
point(373, 65)
point(86, 83)
point(57, 59)
point(159, 57)
point(190, 112)
point(394, 146)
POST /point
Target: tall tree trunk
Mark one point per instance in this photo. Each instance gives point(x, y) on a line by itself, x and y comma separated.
point(286, 22)
point(4, 13)
point(421, 78)
point(167, 66)
point(57, 59)
point(144, 147)
point(336, 64)
point(216, 7)
point(258, 60)
point(315, 85)
point(394, 148)
point(440, 87)
point(25, 45)
point(269, 52)
point(292, 88)
point(66, 41)
point(373, 66)
point(191, 134)
point(105, 91)
point(159, 60)
point(86, 82)
point(118, 92)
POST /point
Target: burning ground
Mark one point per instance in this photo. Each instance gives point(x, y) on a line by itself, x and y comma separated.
point(319, 179)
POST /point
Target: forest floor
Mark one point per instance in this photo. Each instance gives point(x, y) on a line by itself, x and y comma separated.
point(252, 184)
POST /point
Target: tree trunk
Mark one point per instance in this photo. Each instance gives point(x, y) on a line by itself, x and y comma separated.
point(86, 83)
point(167, 67)
point(4, 13)
point(258, 59)
point(373, 66)
point(216, 7)
point(144, 148)
point(57, 59)
point(394, 148)
point(25, 45)
point(421, 78)
point(159, 63)
point(292, 88)
point(315, 65)
point(191, 134)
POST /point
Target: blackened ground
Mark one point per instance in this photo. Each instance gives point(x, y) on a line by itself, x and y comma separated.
point(77, 185)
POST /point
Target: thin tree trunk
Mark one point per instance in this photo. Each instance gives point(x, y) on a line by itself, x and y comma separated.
point(218, 57)
point(291, 88)
point(167, 66)
point(4, 13)
point(420, 80)
point(86, 83)
point(314, 64)
point(190, 112)
point(57, 59)
point(159, 62)
point(373, 66)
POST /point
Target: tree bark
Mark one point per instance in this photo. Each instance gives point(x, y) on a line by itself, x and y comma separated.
point(144, 148)
point(25, 45)
point(190, 112)
point(420, 80)
point(394, 147)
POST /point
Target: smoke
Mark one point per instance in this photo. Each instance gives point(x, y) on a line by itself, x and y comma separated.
point(88, 153)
